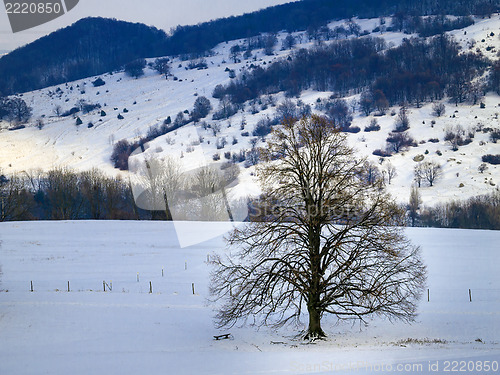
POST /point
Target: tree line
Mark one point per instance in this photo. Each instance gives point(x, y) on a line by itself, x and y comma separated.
point(63, 194)
point(91, 46)
point(94, 46)
point(313, 14)
point(417, 71)
point(480, 212)
point(427, 26)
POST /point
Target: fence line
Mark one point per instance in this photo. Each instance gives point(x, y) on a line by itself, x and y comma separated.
point(162, 285)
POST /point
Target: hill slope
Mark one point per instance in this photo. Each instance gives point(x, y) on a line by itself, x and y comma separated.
point(94, 45)
point(146, 102)
point(90, 46)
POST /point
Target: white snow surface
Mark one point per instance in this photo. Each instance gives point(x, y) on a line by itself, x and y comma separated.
point(129, 331)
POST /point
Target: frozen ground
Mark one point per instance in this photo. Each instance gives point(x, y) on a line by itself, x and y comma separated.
point(129, 331)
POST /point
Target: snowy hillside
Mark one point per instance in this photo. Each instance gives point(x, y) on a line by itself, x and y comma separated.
point(129, 331)
point(149, 100)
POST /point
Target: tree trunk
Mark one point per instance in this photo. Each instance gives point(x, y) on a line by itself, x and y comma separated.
point(168, 213)
point(314, 331)
point(158, 215)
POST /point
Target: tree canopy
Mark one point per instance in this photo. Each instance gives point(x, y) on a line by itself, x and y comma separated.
point(330, 241)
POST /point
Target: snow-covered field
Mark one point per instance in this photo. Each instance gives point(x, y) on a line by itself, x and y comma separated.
point(129, 331)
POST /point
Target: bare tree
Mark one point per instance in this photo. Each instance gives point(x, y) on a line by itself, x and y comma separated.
point(287, 110)
point(118, 195)
point(289, 42)
point(332, 244)
point(210, 203)
point(221, 143)
point(180, 120)
point(235, 52)
point(366, 102)
point(482, 168)
point(371, 173)
point(397, 142)
point(162, 182)
point(414, 206)
point(402, 121)
point(390, 172)
point(58, 110)
point(202, 107)
point(39, 124)
point(438, 109)
point(432, 171)
point(418, 174)
point(135, 68)
point(270, 41)
point(15, 110)
point(380, 102)
point(216, 128)
point(429, 171)
point(162, 66)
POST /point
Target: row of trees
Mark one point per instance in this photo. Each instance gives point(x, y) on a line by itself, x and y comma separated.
point(482, 8)
point(427, 70)
point(338, 67)
point(417, 71)
point(161, 186)
point(62, 194)
point(157, 189)
point(313, 15)
point(428, 26)
point(481, 212)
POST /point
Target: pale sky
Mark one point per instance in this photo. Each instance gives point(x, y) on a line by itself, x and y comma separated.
point(163, 14)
